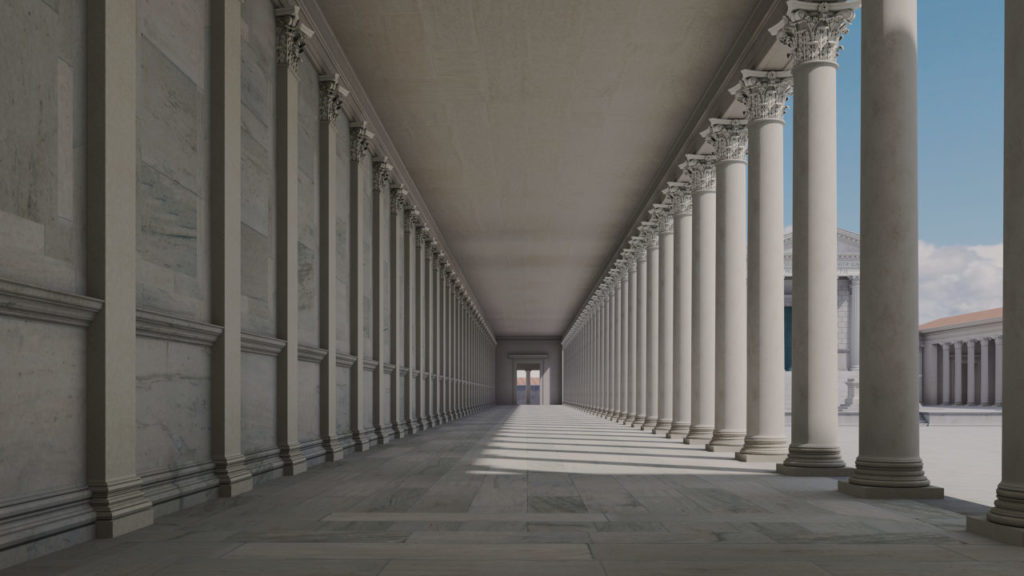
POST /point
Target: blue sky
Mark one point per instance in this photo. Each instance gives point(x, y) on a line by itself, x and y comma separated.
point(960, 151)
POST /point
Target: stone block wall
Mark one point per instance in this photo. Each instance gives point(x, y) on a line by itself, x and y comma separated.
point(180, 417)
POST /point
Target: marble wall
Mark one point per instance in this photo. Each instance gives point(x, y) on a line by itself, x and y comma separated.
point(42, 151)
point(259, 403)
point(258, 211)
point(172, 129)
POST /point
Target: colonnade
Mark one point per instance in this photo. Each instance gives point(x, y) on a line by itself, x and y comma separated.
point(965, 372)
point(709, 366)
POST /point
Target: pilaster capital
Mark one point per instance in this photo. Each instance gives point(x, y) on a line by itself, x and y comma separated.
point(812, 30)
point(381, 175)
point(729, 137)
point(412, 218)
point(359, 136)
point(764, 93)
point(331, 96)
point(423, 234)
point(291, 37)
point(701, 170)
point(399, 198)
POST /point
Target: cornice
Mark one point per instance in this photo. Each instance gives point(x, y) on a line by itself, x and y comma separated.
point(311, 354)
point(32, 303)
point(152, 324)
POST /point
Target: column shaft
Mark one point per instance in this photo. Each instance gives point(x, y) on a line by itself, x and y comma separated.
point(889, 463)
point(702, 368)
point(653, 317)
point(666, 326)
point(640, 376)
point(631, 343)
point(682, 314)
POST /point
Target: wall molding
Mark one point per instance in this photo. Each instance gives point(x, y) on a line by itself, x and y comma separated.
point(262, 345)
point(344, 360)
point(37, 516)
point(370, 364)
point(32, 303)
point(389, 368)
point(311, 354)
point(161, 326)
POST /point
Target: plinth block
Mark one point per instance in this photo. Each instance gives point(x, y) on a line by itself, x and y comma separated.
point(999, 532)
point(743, 457)
point(890, 493)
point(808, 471)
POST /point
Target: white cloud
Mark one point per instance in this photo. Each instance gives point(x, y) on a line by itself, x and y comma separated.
point(958, 279)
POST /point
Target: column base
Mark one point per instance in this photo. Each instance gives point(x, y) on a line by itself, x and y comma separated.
point(638, 422)
point(629, 420)
point(364, 439)
point(662, 427)
point(889, 492)
point(821, 471)
point(750, 457)
point(234, 478)
point(397, 430)
point(699, 435)
point(763, 449)
point(726, 441)
point(418, 426)
point(333, 449)
point(678, 431)
point(982, 526)
point(649, 424)
point(294, 459)
point(120, 507)
point(383, 434)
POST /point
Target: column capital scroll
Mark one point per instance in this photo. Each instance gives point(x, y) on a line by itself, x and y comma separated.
point(399, 198)
point(360, 136)
point(812, 30)
point(701, 170)
point(291, 37)
point(381, 175)
point(331, 96)
point(764, 93)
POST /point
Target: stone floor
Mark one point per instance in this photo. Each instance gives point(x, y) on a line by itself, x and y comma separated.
point(546, 490)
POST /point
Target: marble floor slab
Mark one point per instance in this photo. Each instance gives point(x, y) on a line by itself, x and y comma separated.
point(544, 490)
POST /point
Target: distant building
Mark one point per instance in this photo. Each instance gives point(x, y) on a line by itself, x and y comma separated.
point(962, 360)
point(847, 299)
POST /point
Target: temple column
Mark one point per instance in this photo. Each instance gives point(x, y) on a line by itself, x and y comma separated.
point(623, 352)
point(666, 327)
point(854, 330)
point(947, 370)
point(889, 463)
point(358, 182)
point(765, 95)
point(422, 235)
point(330, 108)
point(813, 31)
point(970, 353)
point(290, 42)
point(701, 172)
point(640, 376)
point(681, 209)
point(398, 357)
point(653, 318)
point(1005, 520)
point(730, 140)
point(986, 372)
point(958, 373)
point(110, 434)
point(613, 349)
point(999, 370)
point(631, 356)
point(381, 382)
point(226, 249)
point(411, 322)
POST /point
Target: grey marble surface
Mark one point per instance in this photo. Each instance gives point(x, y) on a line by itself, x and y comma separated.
point(544, 490)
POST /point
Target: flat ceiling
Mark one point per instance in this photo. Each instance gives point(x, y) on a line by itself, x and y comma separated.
point(534, 128)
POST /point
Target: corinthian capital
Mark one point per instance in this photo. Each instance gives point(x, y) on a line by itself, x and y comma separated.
point(639, 246)
point(764, 93)
point(291, 37)
point(679, 198)
point(359, 137)
point(812, 30)
point(399, 198)
point(331, 95)
point(381, 175)
point(729, 137)
point(701, 170)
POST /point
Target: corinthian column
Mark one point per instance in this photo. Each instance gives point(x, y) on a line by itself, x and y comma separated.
point(701, 171)
point(640, 353)
point(653, 317)
point(889, 464)
point(765, 94)
point(623, 351)
point(1005, 521)
point(666, 328)
point(631, 334)
point(681, 204)
point(730, 140)
point(813, 31)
